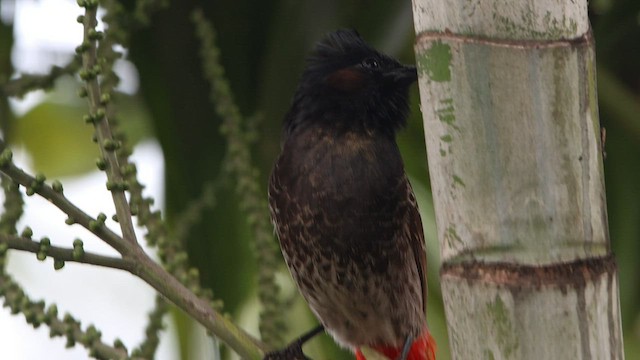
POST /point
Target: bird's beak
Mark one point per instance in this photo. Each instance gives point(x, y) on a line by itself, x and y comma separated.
point(402, 75)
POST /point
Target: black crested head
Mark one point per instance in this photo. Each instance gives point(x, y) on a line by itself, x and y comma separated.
point(348, 85)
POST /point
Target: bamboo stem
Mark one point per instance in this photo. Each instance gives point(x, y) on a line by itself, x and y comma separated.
point(509, 104)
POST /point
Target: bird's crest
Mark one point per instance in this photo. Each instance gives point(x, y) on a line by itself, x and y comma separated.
point(339, 48)
point(363, 88)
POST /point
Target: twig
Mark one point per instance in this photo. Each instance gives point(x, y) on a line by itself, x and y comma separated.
point(29, 82)
point(36, 315)
point(192, 213)
point(138, 262)
point(97, 101)
point(144, 267)
point(199, 309)
point(150, 344)
point(12, 206)
point(252, 199)
point(59, 253)
point(75, 214)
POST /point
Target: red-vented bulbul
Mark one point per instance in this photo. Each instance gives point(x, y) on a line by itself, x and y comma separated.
point(343, 209)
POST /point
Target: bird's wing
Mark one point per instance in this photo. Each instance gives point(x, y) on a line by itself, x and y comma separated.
point(416, 240)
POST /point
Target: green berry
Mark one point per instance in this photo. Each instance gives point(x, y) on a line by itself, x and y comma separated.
point(52, 311)
point(58, 264)
point(77, 253)
point(94, 225)
point(105, 98)
point(45, 243)
point(27, 232)
point(79, 50)
point(5, 157)
point(118, 344)
point(101, 164)
point(40, 178)
point(93, 34)
point(99, 114)
point(57, 186)
point(85, 74)
point(110, 145)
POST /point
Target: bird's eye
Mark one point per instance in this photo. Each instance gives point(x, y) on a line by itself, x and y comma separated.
point(370, 63)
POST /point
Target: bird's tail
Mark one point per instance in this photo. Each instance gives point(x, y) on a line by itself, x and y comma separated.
point(424, 348)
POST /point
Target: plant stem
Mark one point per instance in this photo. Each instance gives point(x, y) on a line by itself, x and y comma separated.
point(60, 253)
point(103, 131)
point(149, 271)
point(200, 310)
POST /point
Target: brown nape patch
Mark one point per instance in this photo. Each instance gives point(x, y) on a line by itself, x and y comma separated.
point(348, 79)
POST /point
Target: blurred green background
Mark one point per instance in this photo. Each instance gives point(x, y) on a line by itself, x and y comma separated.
point(263, 46)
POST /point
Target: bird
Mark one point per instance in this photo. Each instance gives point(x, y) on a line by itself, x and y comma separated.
point(341, 203)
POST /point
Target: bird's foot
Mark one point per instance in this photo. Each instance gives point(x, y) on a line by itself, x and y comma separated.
point(406, 348)
point(291, 352)
point(294, 350)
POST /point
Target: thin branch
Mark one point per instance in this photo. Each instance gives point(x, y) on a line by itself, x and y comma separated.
point(12, 206)
point(29, 82)
point(170, 247)
point(192, 214)
point(252, 199)
point(59, 253)
point(36, 315)
point(150, 344)
point(98, 115)
point(144, 267)
point(199, 309)
point(59, 200)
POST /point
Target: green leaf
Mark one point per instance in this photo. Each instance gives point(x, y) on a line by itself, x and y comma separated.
point(57, 139)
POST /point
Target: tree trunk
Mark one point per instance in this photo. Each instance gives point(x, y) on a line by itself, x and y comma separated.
point(511, 124)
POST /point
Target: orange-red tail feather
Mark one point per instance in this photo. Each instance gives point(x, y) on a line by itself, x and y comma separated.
point(424, 348)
